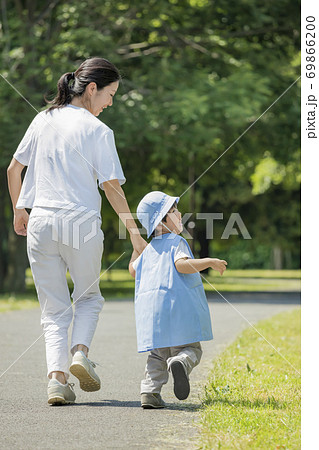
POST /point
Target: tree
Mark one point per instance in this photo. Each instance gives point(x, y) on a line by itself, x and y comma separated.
point(196, 74)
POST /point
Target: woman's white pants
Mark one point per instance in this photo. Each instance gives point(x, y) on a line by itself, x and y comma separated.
point(51, 253)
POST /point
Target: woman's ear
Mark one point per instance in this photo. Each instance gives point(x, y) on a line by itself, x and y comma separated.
point(91, 88)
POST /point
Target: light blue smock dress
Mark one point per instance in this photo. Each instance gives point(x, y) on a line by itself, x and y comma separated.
point(170, 308)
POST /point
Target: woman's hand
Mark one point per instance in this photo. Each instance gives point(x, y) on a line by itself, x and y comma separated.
point(20, 216)
point(138, 242)
point(20, 221)
point(218, 264)
point(115, 195)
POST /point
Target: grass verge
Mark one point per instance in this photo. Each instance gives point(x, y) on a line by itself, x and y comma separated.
point(253, 281)
point(252, 400)
point(12, 303)
point(119, 284)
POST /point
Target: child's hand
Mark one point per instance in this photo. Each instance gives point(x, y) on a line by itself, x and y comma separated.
point(219, 265)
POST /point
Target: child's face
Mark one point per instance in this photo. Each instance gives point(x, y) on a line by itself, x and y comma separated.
point(174, 220)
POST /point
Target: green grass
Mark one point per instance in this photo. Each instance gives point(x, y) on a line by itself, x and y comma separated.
point(120, 284)
point(252, 400)
point(254, 281)
point(12, 303)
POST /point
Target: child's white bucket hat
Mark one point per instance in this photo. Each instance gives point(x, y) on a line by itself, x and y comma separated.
point(152, 208)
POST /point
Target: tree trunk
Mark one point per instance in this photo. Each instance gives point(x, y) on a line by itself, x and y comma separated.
point(191, 179)
point(17, 263)
point(204, 244)
point(201, 232)
point(288, 259)
point(277, 257)
point(3, 227)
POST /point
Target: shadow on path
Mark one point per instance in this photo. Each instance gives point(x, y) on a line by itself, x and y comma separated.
point(188, 407)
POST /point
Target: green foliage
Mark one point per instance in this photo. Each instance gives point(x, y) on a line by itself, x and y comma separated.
point(196, 75)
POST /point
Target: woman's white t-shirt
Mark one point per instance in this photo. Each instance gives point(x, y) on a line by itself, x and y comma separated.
point(67, 151)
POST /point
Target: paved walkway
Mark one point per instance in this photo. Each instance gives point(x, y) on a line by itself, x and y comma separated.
point(112, 417)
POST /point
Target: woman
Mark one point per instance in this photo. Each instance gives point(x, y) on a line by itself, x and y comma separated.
point(67, 150)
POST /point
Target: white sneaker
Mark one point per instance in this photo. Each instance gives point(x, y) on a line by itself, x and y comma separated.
point(60, 394)
point(83, 369)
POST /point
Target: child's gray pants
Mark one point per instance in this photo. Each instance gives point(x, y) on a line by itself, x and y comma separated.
point(159, 362)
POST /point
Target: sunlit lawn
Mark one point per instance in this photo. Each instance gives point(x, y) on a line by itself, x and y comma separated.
point(12, 303)
point(254, 280)
point(252, 399)
point(120, 284)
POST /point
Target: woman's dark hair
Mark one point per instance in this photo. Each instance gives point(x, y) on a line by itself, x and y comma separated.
point(73, 84)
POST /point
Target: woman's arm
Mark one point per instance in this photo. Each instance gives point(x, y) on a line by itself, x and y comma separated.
point(20, 216)
point(197, 265)
point(115, 195)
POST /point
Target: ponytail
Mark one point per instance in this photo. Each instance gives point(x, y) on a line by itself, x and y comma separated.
point(64, 94)
point(73, 84)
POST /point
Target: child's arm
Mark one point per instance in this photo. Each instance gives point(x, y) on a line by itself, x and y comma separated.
point(188, 265)
point(134, 256)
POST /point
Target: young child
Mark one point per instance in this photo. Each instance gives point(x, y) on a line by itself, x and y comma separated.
point(171, 309)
